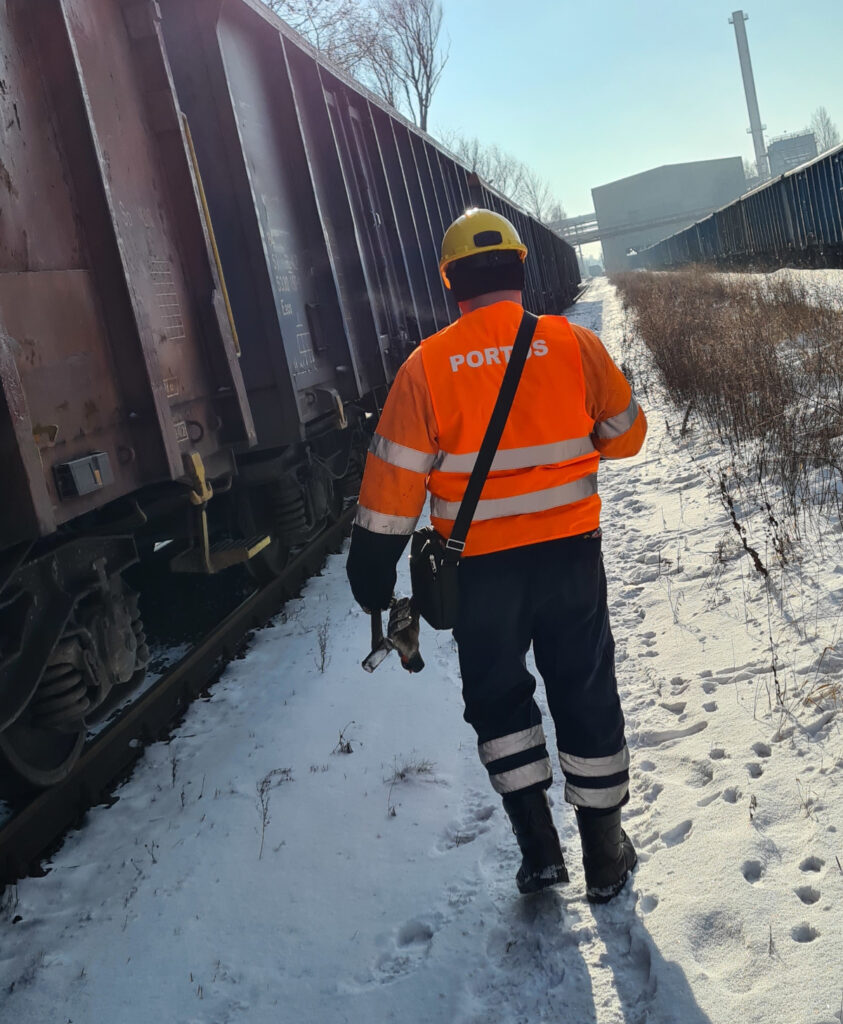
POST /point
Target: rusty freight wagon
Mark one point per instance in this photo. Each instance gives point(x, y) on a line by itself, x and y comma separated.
point(329, 209)
point(120, 387)
point(215, 252)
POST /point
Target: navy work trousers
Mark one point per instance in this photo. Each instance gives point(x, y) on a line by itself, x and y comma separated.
point(553, 596)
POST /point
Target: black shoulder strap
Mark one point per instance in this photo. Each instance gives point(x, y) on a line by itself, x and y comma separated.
point(456, 542)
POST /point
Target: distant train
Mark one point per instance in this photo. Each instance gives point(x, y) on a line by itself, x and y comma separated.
point(793, 220)
point(215, 252)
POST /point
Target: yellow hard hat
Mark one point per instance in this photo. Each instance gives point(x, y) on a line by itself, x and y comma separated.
point(478, 231)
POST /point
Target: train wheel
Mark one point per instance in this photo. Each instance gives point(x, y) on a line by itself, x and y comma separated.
point(102, 655)
point(44, 743)
point(41, 757)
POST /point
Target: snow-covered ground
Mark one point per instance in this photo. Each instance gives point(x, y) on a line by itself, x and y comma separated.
point(316, 844)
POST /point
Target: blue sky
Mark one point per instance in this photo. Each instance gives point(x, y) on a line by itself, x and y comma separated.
point(593, 91)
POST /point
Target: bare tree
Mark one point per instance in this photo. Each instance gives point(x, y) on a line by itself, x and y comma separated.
point(409, 59)
point(345, 31)
point(824, 129)
point(392, 46)
point(507, 174)
point(537, 195)
point(494, 165)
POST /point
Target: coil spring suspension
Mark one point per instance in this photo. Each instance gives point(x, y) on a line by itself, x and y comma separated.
point(79, 674)
point(62, 695)
point(142, 653)
point(289, 509)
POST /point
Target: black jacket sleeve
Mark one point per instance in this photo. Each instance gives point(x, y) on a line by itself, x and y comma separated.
point(371, 566)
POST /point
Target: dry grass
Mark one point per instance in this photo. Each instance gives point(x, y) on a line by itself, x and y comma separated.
point(760, 361)
point(757, 362)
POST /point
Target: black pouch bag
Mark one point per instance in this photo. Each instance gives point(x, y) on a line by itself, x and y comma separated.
point(434, 562)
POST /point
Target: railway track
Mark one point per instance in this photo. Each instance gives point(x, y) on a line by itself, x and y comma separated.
point(38, 828)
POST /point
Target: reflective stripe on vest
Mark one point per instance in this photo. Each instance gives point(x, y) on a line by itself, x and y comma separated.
point(402, 456)
point(518, 458)
point(519, 504)
point(380, 522)
point(617, 425)
point(542, 482)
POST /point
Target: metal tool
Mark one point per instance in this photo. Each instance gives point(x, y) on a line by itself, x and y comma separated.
point(402, 635)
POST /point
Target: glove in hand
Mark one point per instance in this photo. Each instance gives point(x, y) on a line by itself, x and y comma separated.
point(403, 633)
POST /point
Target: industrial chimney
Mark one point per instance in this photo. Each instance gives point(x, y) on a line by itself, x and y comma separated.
point(756, 129)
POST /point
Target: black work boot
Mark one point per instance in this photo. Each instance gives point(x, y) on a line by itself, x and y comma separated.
point(608, 855)
point(532, 823)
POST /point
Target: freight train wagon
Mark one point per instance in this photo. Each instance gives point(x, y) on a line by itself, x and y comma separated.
point(794, 220)
point(215, 252)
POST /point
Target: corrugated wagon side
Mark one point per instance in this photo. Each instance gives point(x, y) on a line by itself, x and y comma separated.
point(329, 209)
point(119, 379)
point(793, 220)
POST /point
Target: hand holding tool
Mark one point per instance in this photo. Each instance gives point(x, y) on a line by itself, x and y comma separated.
point(402, 635)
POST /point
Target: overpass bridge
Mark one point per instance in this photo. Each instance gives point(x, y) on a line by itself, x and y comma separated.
point(585, 228)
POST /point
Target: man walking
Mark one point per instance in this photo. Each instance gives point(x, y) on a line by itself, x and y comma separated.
point(531, 571)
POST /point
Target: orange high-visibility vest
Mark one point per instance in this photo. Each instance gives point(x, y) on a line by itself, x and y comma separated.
point(571, 406)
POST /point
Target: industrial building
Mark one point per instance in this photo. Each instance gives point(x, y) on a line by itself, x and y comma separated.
point(789, 151)
point(640, 210)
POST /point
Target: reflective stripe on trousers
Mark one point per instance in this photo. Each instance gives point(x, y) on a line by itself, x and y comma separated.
point(599, 782)
point(517, 761)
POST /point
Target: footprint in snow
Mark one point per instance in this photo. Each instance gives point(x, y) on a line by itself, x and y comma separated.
point(701, 774)
point(752, 870)
point(678, 834)
point(649, 903)
point(755, 770)
point(406, 949)
point(474, 824)
point(657, 737)
point(652, 793)
point(732, 794)
point(812, 864)
point(808, 894)
point(710, 705)
point(804, 932)
point(414, 933)
point(761, 749)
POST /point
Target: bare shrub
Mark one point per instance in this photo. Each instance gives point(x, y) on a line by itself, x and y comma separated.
point(322, 634)
point(759, 360)
point(270, 781)
point(406, 769)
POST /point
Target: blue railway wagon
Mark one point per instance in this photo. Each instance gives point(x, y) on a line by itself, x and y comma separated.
point(794, 220)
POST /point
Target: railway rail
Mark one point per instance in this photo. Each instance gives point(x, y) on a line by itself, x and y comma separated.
point(38, 828)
